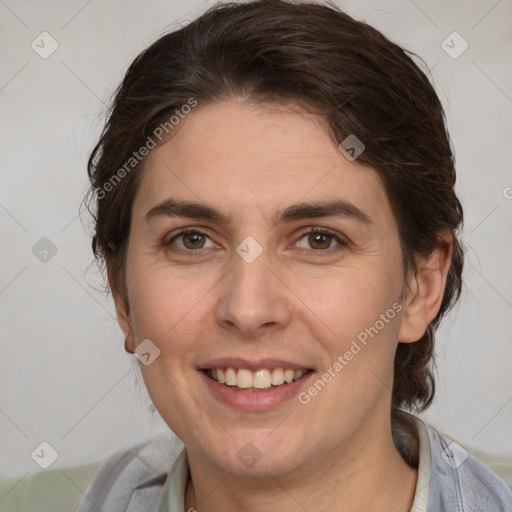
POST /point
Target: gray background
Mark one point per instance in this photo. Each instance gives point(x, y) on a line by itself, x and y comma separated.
point(64, 375)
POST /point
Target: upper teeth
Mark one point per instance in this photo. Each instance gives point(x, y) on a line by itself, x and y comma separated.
point(260, 379)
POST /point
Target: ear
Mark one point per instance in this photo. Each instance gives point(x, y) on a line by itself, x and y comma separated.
point(426, 290)
point(122, 311)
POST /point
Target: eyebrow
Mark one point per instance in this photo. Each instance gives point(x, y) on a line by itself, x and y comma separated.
point(193, 210)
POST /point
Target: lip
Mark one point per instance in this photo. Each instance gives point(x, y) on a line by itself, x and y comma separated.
point(254, 400)
point(237, 362)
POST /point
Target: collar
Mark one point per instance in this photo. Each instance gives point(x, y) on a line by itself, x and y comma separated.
point(173, 495)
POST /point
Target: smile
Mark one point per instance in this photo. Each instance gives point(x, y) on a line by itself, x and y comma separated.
point(263, 379)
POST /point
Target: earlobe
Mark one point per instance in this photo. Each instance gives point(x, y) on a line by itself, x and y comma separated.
point(123, 319)
point(122, 313)
point(426, 290)
point(129, 345)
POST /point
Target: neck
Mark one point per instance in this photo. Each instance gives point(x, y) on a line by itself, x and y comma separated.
point(368, 476)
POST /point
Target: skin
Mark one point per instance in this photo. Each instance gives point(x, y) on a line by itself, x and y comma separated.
point(295, 302)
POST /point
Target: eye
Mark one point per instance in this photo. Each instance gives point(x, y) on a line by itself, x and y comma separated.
point(190, 239)
point(321, 240)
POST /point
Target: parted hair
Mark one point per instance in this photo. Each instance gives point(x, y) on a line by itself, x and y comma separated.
point(321, 59)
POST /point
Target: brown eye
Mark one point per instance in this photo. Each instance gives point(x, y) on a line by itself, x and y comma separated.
point(190, 240)
point(193, 240)
point(320, 240)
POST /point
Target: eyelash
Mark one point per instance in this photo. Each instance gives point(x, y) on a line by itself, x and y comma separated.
point(322, 231)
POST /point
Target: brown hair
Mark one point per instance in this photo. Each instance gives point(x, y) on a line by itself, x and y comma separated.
point(326, 62)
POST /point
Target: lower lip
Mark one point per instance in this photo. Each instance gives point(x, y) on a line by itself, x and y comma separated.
point(255, 400)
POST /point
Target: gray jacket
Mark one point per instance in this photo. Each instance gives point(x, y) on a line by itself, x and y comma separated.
point(133, 480)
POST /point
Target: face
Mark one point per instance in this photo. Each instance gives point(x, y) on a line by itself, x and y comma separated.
point(290, 261)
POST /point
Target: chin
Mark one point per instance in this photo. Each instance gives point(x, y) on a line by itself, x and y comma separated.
point(257, 455)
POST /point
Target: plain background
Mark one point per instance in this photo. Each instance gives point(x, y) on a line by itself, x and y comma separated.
point(65, 377)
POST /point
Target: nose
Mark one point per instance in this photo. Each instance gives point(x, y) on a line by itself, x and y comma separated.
point(254, 301)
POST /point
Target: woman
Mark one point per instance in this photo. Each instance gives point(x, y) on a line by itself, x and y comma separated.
point(274, 202)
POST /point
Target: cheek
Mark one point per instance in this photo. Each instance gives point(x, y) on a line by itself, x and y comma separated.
point(155, 314)
point(168, 310)
point(166, 306)
point(349, 301)
point(362, 312)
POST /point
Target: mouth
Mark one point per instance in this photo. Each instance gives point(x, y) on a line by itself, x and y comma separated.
point(263, 379)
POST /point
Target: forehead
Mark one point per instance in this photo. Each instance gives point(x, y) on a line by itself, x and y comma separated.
point(246, 158)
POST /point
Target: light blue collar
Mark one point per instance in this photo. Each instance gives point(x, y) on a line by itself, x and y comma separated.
point(173, 496)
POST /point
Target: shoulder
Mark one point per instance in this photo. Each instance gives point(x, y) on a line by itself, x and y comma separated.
point(137, 472)
point(135, 476)
point(459, 481)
